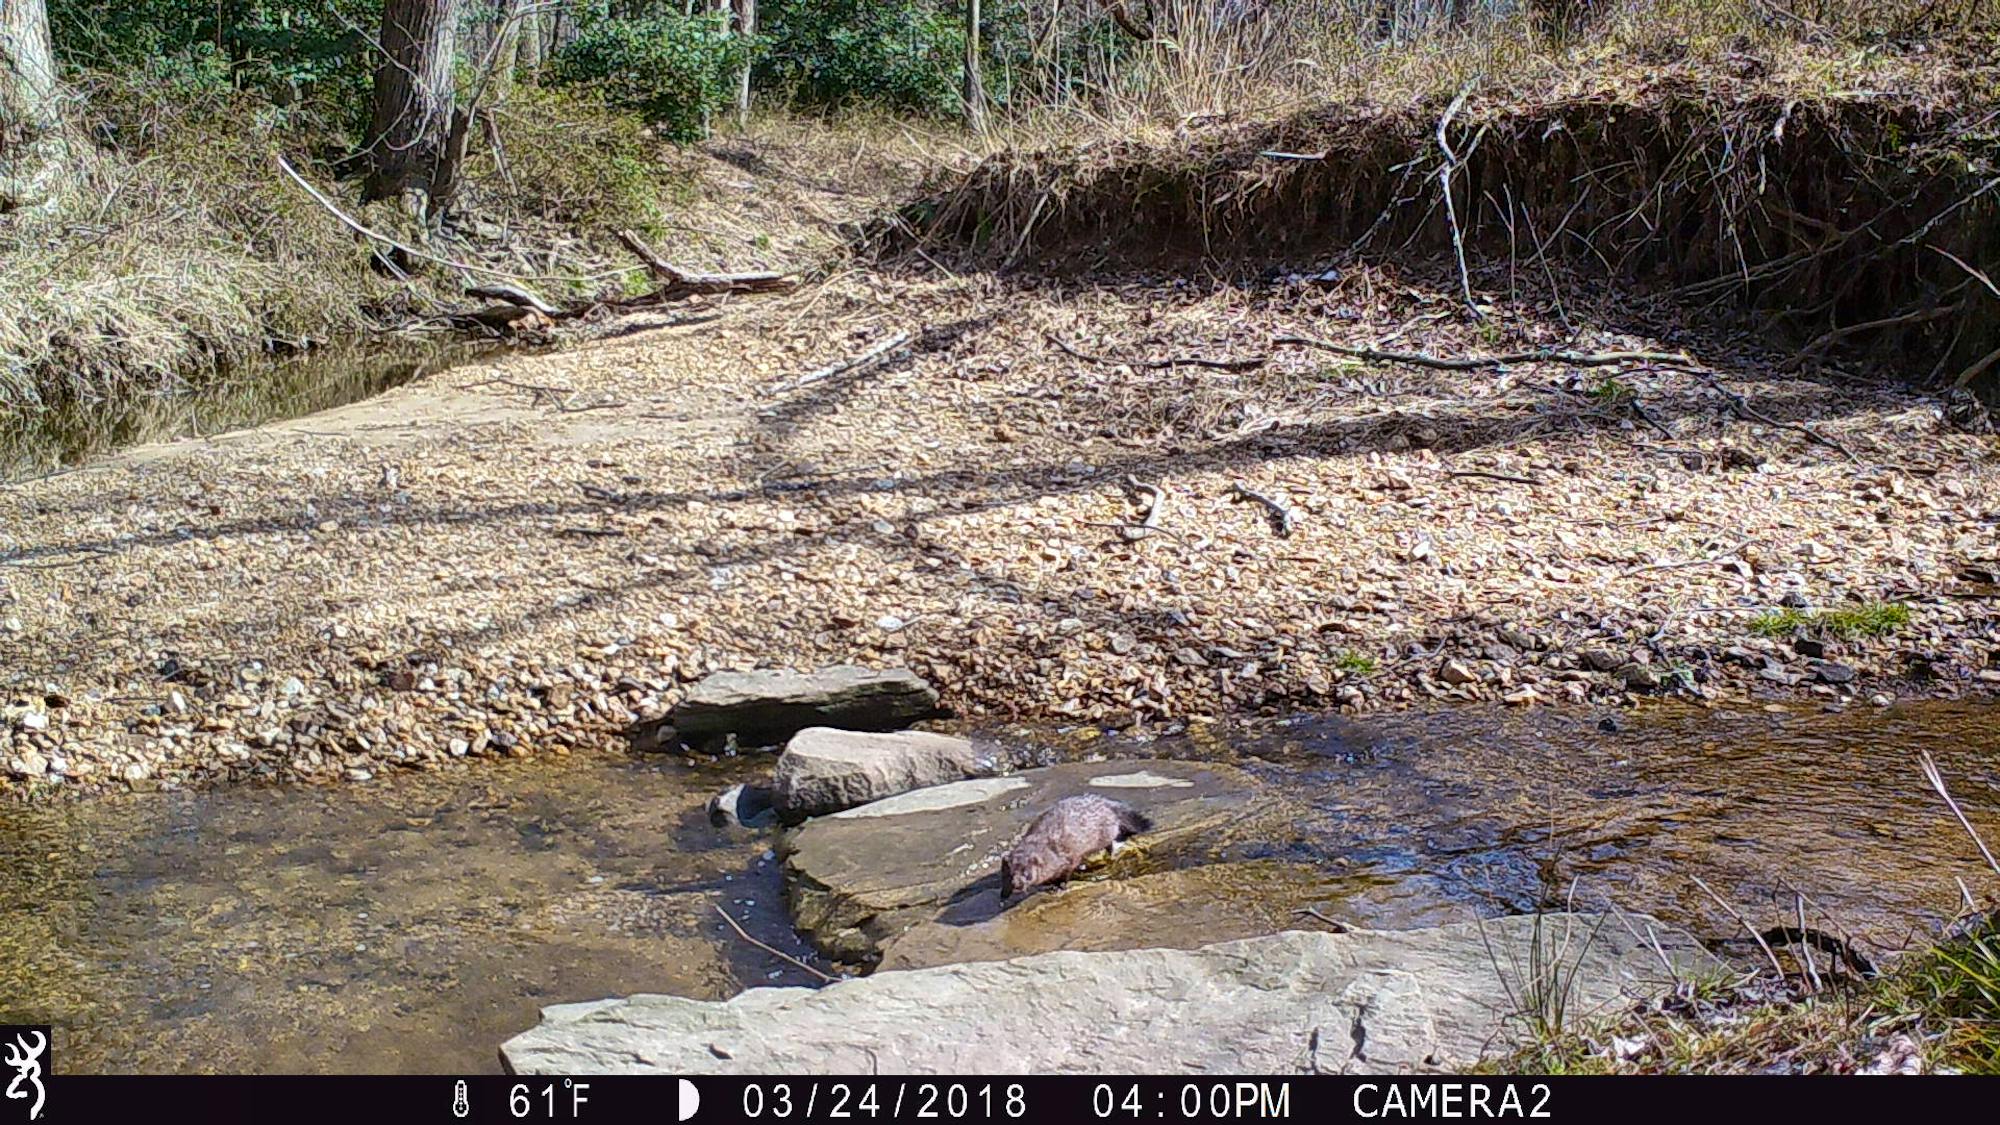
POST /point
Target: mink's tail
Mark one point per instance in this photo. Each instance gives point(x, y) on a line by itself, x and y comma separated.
point(1131, 821)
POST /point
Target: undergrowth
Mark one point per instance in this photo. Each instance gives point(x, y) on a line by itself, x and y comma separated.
point(181, 250)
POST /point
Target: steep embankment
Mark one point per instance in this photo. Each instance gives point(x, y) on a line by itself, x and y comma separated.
point(1858, 219)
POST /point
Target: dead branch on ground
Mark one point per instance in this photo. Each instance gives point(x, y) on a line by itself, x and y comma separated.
point(861, 362)
point(1282, 515)
point(1743, 409)
point(1476, 363)
point(1251, 363)
point(677, 283)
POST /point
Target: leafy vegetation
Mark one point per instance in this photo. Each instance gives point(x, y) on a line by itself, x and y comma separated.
point(1871, 619)
point(899, 54)
point(676, 71)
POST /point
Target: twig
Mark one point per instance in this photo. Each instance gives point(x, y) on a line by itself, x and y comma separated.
point(1742, 407)
point(1451, 163)
point(1281, 513)
point(1336, 927)
point(1475, 363)
point(1250, 364)
point(589, 533)
point(1306, 156)
point(1980, 275)
point(1761, 943)
point(1979, 365)
point(1508, 477)
point(778, 953)
point(1805, 947)
point(1151, 523)
point(1936, 779)
point(866, 359)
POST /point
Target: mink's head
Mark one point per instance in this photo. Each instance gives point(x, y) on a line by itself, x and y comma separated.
point(1017, 874)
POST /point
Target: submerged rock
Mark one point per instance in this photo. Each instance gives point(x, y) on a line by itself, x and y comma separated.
point(1366, 1001)
point(745, 806)
point(766, 707)
point(824, 770)
point(856, 878)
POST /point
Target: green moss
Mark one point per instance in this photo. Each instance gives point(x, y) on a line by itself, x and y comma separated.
point(1870, 619)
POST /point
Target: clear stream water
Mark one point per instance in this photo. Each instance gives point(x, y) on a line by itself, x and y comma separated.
point(413, 924)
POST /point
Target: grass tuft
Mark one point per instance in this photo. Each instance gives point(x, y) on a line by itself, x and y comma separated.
point(1355, 663)
point(1870, 619)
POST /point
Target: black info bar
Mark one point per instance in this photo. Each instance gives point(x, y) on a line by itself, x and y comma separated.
point(861, 1099)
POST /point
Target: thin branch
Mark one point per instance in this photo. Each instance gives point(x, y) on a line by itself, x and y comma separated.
point(1281, 513)
point(1752, 930)
point(1420, 359)
point(1936, 779)
point(1742, 407)
point(865, 360)
point(1250, 364)
point(1451, 164)
point(1508, 477)
point(780, 954)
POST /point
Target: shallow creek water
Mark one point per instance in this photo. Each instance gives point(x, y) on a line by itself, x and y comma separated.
point(39, 440)
point(414, 925)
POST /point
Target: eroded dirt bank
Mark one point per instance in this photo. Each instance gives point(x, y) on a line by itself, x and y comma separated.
point(524, 555)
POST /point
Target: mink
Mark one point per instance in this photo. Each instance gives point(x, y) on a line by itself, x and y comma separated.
point(1059, 840)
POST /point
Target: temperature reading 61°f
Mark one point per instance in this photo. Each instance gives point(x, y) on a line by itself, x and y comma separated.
point(522, 1100)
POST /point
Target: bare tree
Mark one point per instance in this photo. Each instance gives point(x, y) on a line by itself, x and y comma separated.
point(975, 85)
point(746, 26)
point(31, 157)
point(411, 136)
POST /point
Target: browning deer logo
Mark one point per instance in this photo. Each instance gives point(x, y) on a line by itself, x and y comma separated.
point(27, 1063)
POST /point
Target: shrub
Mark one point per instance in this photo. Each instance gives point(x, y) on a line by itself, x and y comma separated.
point(901, 54)
point(570, 160)
point(673, 70)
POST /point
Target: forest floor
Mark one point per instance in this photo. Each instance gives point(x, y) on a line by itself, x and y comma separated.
point(1034, 501)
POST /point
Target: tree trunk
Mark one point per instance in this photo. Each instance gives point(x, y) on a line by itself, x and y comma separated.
point(529, 38)
point(975, 86)
point(746, 26)
point(31, 156)
point(414, 100)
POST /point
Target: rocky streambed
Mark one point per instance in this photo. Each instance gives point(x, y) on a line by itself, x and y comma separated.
point(417, 925)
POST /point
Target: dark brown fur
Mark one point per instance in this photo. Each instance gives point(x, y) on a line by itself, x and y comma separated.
point(1059, 840)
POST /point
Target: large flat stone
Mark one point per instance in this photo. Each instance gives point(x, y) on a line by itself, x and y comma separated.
point(859, 877)
point(824, 770)
point(1180, 909)
point(1362, 1002)
point(768, 706)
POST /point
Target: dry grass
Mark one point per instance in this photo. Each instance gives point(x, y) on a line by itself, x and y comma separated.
point(177, 250)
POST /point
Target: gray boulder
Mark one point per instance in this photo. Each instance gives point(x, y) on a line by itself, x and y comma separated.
point(766, 707)
point(824, 770)
point(1368, 1001)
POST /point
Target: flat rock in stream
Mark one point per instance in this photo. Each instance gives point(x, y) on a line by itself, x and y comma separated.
point(1179, 909)
point(824, 770)
point(857, 878)
point(766, 707)
point(1368, 1001)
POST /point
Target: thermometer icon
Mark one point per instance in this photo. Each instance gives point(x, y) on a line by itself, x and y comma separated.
point(459, 1106)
